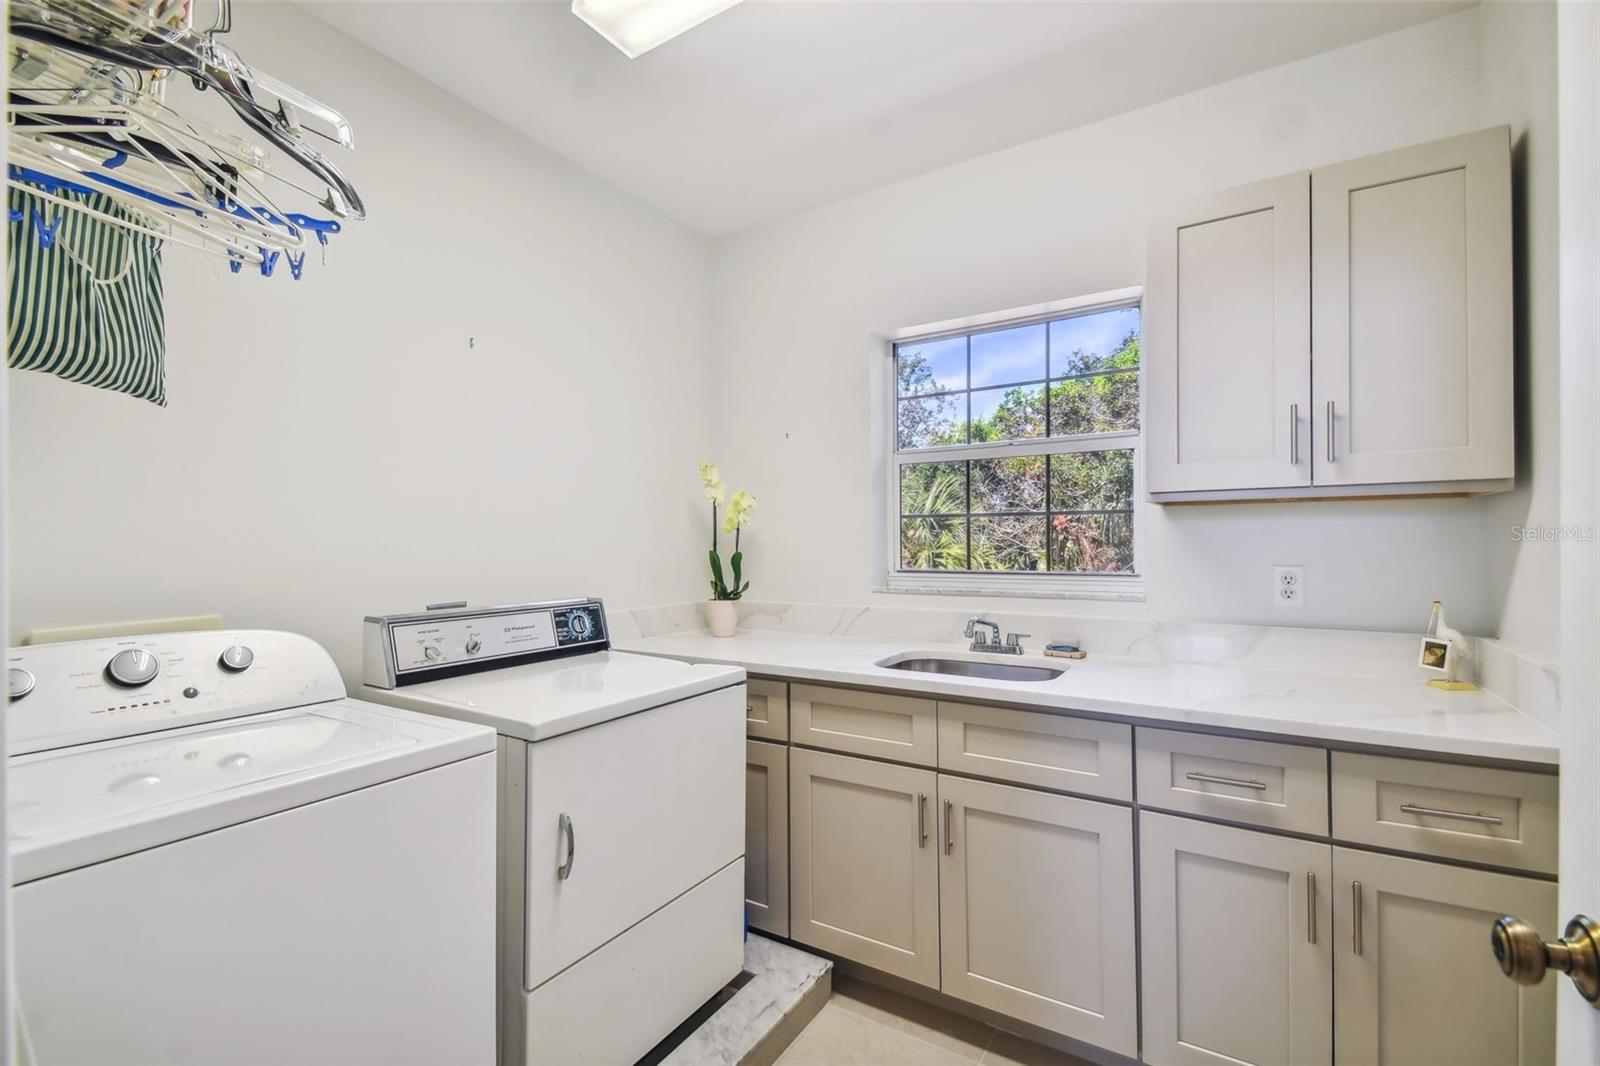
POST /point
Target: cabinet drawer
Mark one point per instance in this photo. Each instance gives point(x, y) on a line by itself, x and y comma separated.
point(766, 709)
point(1496, 817)
point(864, 723)
point(1281, 786)
point(1034, 748)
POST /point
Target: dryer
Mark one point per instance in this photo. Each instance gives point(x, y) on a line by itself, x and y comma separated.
point(621, 817)
point(217, 857)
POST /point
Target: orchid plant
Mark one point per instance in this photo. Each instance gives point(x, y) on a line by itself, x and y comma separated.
point(734, 519)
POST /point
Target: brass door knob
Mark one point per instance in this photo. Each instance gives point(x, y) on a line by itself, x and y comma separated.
point(1524, 955)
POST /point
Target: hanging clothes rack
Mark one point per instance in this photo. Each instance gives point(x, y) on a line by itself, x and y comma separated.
point(96, 110)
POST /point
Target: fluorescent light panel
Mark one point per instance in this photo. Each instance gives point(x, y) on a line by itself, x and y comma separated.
point(636, 26)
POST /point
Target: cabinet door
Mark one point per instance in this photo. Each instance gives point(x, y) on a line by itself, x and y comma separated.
point(864, 862)
point(1037, 909)
point(766, 836)
point(1413, 974)
point(1227, 341)
point(1411, 304)
point(1237, 945)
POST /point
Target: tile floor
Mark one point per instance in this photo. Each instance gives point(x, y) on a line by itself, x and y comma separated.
point(865, 1025)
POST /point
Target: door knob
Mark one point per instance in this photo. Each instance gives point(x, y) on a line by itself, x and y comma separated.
point(1524, 955)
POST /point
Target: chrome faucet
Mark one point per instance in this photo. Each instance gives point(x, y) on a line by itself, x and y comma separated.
point(978, 643)
point(1012, 645)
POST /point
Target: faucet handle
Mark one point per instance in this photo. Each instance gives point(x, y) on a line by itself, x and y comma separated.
point(1014, 640)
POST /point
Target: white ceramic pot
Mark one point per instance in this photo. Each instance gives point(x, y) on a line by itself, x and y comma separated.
point(724, 617)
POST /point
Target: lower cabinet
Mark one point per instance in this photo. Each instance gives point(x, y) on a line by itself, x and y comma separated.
point(1036, 908)
point(766, 836)
point(864, 867)
point(1237, 945)
point(1413, 976)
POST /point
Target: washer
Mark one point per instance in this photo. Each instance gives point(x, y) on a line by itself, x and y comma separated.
point(621, 817)
point(218, 858)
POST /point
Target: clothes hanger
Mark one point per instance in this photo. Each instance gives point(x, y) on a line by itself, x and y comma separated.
point(127, 36)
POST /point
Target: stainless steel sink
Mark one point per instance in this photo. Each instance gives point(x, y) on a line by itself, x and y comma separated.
point(978, 668)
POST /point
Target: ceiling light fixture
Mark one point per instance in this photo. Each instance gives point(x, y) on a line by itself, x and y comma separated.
point(636, 26)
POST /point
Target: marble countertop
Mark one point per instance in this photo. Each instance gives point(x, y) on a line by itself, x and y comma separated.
point(1339, 708)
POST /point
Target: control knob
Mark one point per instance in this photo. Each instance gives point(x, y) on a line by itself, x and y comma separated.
point(580, 624)
point(236, 658)
point(19, 682)
point(474, 645)
point(432, 653)
point(133, 667)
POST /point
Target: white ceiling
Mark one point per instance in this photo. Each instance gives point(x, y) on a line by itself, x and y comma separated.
point(779, 105)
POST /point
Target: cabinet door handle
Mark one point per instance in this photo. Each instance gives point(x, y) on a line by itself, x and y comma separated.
point(922, 819)
point(1355, 916)
point(949, 839)
point(1236, 782)
point(564, 825)
point(1460, 816)
point(1329, 429)
point(1311, 907)
point(1294, 434)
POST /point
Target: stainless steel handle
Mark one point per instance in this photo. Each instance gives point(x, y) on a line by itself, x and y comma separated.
point(564, 826)
point(949, 840)
point(1294, 434)
point(1311, 907)
point(1355, 916)
point(1213, 779)
point(922, 819)
point(1460, 816)
point(1329, 429)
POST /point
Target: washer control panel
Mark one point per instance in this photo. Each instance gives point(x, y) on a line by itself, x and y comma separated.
point(407, 648)
point(79, 691)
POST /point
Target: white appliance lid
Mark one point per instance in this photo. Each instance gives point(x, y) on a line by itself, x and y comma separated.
point(72, 806)
point(537, 701)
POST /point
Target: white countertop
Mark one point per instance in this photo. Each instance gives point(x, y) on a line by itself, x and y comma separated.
point(1384, 712)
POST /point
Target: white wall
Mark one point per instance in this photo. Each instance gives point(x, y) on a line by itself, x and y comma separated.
point(802, 380)
point(1519, 88)
point(333, 447)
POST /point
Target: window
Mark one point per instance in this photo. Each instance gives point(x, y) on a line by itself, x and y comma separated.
point(1014, 451)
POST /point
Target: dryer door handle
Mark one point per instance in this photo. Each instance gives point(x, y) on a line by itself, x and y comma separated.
point(564, 870)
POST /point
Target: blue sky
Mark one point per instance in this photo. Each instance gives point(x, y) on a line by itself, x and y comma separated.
point(1012, 355)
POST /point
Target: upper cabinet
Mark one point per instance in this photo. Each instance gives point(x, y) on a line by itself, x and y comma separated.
point(1343, 332)
point(1227, 321)
point(1411, 314)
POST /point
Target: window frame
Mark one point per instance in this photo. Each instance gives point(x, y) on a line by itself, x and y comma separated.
point(1035, 583)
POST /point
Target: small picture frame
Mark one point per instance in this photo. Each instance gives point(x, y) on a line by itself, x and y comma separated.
point(1436, 655)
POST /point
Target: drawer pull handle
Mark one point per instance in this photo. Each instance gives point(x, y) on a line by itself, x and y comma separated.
point(949, 838)
point(564, 825)
point(1213, 779)
point(1355, 915)
point(1311, 907)
point(1460, 816)
point(922, 819)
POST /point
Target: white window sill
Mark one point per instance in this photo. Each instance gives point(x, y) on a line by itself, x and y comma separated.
point(1117, 587)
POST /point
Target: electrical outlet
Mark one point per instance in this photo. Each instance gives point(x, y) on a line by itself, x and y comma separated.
point(1289, 586)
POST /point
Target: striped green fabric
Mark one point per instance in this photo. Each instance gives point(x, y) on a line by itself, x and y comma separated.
point(88, 308)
